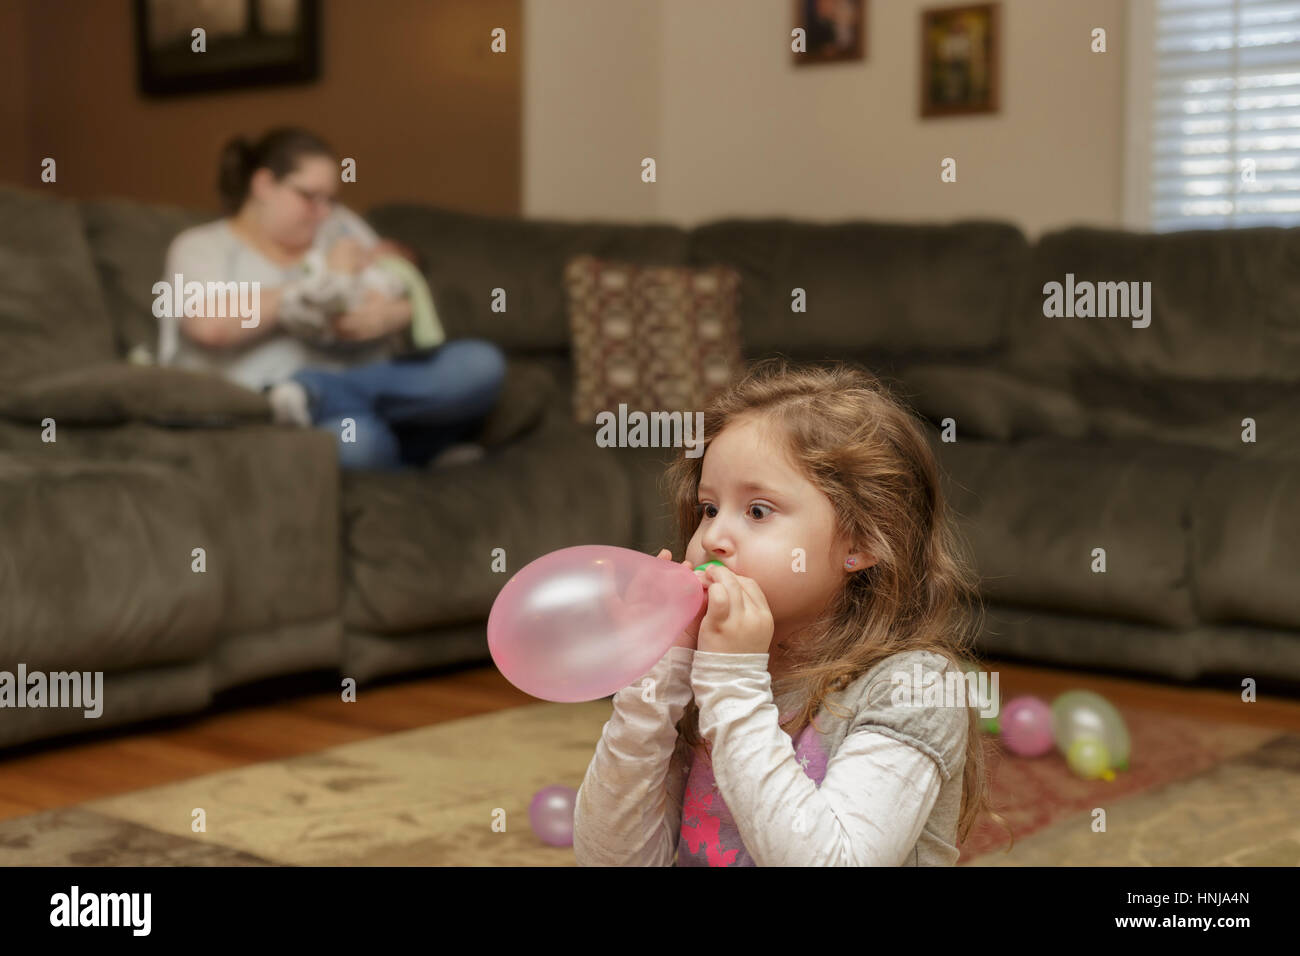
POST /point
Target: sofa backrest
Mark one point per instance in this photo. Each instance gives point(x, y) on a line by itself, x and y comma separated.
point(129, 241)
point(1224, 306)
point(875, 290)
point(910, 292)
point(1225, 303)
point(465, 256)
point(871, 288)
point(52, 316)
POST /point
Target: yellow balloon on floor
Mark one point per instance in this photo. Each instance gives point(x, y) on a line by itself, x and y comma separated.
point(1089, 758)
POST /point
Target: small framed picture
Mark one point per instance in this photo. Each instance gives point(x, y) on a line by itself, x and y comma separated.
point(193, 46)
point(834, 30)
point(960, 47)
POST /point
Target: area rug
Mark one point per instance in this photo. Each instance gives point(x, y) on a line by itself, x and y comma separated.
point(1196, 794)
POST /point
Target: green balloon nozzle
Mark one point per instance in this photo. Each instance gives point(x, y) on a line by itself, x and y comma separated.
point(701, 567)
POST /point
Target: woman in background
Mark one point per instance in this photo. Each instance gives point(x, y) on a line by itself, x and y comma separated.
point(279, 196)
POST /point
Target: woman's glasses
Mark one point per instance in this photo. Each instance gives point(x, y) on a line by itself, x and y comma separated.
point(315, 198)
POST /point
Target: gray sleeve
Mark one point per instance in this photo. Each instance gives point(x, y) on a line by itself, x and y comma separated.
point(200, 254)
point(196, 255)
point(939, 732)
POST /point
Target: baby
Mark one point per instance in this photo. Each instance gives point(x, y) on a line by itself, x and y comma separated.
point(310, 302)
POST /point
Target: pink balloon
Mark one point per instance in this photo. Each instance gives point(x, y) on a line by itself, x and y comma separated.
point(1026, 726)
point(582, 623)
point(551, 815)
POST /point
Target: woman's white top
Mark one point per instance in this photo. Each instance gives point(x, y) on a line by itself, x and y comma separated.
point(214, 253)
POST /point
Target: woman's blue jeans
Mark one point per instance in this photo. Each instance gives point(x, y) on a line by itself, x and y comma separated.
point(406, 410)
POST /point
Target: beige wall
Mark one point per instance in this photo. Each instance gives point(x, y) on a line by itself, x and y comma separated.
point(592, 107)
point(738, 130)
point(559, 124)
point(408, 88)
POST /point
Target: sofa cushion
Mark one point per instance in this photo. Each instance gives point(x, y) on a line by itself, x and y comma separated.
point(96, 563)
point(998, 403)
point(419, 545)
point(1042, 635)
point(137, 694)
point(1205, 414)
point(656, 525)
point(52, 315)
point(277, 491)
point(274, 493)
point(1224, 305)
point(1246, 541)
point(989, 402)
point(653, 338)
point(924, 290)
point(465, 257)
point(1034, 511)
point(525, 392)
point(114, 392)
point(129, 241)
point(1099, 644)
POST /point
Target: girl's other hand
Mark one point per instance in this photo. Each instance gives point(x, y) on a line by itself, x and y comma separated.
point(738, 620)
point(691, 635)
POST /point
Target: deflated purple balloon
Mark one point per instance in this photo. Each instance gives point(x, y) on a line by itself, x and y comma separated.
point(551, 815)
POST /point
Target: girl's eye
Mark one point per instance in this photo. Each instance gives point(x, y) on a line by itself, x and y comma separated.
point(701, 508)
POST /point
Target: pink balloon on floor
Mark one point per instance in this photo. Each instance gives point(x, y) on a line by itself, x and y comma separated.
point(582, 623)
point(1026, 725)
point(551, 815)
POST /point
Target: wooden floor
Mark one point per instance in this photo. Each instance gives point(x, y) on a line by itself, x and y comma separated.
point(60, 773)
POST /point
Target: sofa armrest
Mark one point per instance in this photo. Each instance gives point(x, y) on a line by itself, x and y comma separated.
point(117, 392)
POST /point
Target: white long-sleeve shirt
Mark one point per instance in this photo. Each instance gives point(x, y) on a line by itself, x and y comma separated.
point(881, 787)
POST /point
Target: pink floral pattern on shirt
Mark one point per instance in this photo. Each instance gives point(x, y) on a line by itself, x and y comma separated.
point(709, 836)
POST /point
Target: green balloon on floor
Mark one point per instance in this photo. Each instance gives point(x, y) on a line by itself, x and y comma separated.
point(988, 725)
point(1082, 713)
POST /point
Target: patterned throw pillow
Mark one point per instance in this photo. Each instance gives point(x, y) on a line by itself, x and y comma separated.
point(656, 338)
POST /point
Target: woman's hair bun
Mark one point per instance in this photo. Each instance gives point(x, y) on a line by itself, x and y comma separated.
point(233, 174)
point(280, 150)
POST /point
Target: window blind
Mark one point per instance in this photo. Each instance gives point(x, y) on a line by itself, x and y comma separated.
point(1225, 116)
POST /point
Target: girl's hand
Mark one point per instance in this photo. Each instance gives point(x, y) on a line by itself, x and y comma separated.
point(691, 634)
point(738, 620)
point(376, 317)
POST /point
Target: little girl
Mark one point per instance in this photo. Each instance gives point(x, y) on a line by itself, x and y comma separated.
point(819, 495)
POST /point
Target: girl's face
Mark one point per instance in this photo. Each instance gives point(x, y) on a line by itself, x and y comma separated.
point(291, 210)
point(756, 512)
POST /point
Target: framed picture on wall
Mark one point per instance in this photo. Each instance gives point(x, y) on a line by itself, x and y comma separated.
point(243, 43)
point(834, 30)
point(960, 47)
